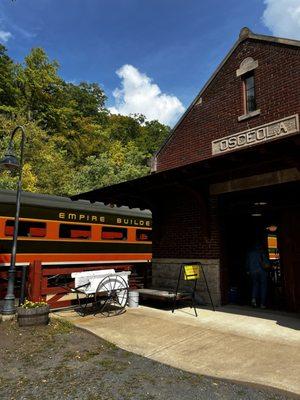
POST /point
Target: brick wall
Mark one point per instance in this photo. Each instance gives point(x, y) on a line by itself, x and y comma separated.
point(277, 82)
point(185, 228)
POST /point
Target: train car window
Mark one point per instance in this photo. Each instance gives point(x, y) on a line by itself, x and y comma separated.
point(71, 231)
point(109, 233)
point(273, 247)
point(143, 235)
point(26, 228)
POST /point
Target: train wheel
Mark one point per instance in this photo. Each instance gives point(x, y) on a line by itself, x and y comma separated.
point(111, 296)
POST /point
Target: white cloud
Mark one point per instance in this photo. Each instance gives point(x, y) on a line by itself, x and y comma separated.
point(5, 36)
point(139, 95)
point(282, 17)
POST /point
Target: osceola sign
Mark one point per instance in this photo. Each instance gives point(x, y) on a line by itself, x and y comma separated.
point(270, 131)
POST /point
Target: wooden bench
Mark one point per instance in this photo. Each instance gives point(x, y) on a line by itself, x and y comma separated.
point(161, 294)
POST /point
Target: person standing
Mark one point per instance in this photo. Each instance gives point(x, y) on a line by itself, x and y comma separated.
point(257, 265)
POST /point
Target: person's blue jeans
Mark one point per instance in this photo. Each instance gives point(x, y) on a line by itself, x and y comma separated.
point(259, 286)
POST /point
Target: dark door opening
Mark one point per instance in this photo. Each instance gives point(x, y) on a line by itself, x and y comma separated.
point(259, 217)
point(244, 234)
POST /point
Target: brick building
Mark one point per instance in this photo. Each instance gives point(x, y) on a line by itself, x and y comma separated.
point(228, 175)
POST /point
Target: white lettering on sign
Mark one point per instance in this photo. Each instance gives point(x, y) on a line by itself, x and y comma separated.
point(271, 131)
point(102, 219)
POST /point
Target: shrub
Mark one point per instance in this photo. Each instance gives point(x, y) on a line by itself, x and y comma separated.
point(33, 304)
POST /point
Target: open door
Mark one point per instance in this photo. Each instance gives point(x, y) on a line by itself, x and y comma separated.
point(270, 215)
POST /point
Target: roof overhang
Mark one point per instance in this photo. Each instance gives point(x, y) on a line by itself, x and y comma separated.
point(141, 192)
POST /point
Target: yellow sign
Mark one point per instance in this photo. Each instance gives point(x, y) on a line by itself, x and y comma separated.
point(191, 272)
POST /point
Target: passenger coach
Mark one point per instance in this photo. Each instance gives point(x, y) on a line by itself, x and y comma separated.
point(58, 236)
point(57, 230)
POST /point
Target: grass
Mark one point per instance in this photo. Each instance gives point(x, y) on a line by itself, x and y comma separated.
point(60, 326)
point(81, 355)
point(113, 365)
point(111, 346)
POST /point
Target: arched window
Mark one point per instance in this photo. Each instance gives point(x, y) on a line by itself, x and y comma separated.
point(249, 92)
point(247, 74)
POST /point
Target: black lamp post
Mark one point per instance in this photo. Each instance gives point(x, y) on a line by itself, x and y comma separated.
point(11, 163)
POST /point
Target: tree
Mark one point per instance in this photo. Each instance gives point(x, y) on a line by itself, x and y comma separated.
point(40, 86)
point(73, 143)
point(119, 164)
point(153, 135)
point(46, 168)
point(8, 88)
point(87, 98)
point(124, 128)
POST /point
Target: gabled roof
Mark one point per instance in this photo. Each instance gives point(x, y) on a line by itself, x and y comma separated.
point(245, 34)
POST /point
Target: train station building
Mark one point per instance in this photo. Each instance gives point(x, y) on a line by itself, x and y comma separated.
point(228, 176)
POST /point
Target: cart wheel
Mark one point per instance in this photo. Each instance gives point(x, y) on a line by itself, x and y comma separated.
point(83, 303)
point(111, 296)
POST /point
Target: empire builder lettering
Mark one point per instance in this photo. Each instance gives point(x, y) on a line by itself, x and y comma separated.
point(102, 219)
point(273, 130)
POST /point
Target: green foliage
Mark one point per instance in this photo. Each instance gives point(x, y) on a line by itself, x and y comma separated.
point(87, 98)
point(8, 85)
point(41, 88)
point(73, 143)
point(153, 135)
point(33, 304)
point(120, 163)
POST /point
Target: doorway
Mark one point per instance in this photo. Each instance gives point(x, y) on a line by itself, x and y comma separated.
point(268, 218)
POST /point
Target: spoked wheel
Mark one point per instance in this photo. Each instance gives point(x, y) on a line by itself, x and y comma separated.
point(111, 296)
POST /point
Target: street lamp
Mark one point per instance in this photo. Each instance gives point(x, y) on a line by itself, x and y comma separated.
point(11, 163)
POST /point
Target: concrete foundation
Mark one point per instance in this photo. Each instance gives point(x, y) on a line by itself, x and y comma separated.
point(165, 273)
point(10, 317)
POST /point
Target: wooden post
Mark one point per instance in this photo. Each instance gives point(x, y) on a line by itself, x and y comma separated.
point(35, 281)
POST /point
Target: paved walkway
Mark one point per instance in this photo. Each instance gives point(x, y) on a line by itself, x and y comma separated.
point(232, 343)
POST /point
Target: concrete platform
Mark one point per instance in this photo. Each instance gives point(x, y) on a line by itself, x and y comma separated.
point(234, 343)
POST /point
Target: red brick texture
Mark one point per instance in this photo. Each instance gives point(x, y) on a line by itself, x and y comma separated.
point(277, 84)
point(184, 229)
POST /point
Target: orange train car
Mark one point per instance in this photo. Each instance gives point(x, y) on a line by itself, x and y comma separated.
point(58, 231)
point(58, 236)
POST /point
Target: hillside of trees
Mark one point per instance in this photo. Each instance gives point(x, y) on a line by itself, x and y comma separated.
point(73, 143)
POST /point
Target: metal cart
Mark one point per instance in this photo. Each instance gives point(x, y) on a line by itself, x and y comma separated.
point(103, 291)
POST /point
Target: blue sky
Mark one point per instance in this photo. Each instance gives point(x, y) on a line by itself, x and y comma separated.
point(164, 50)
